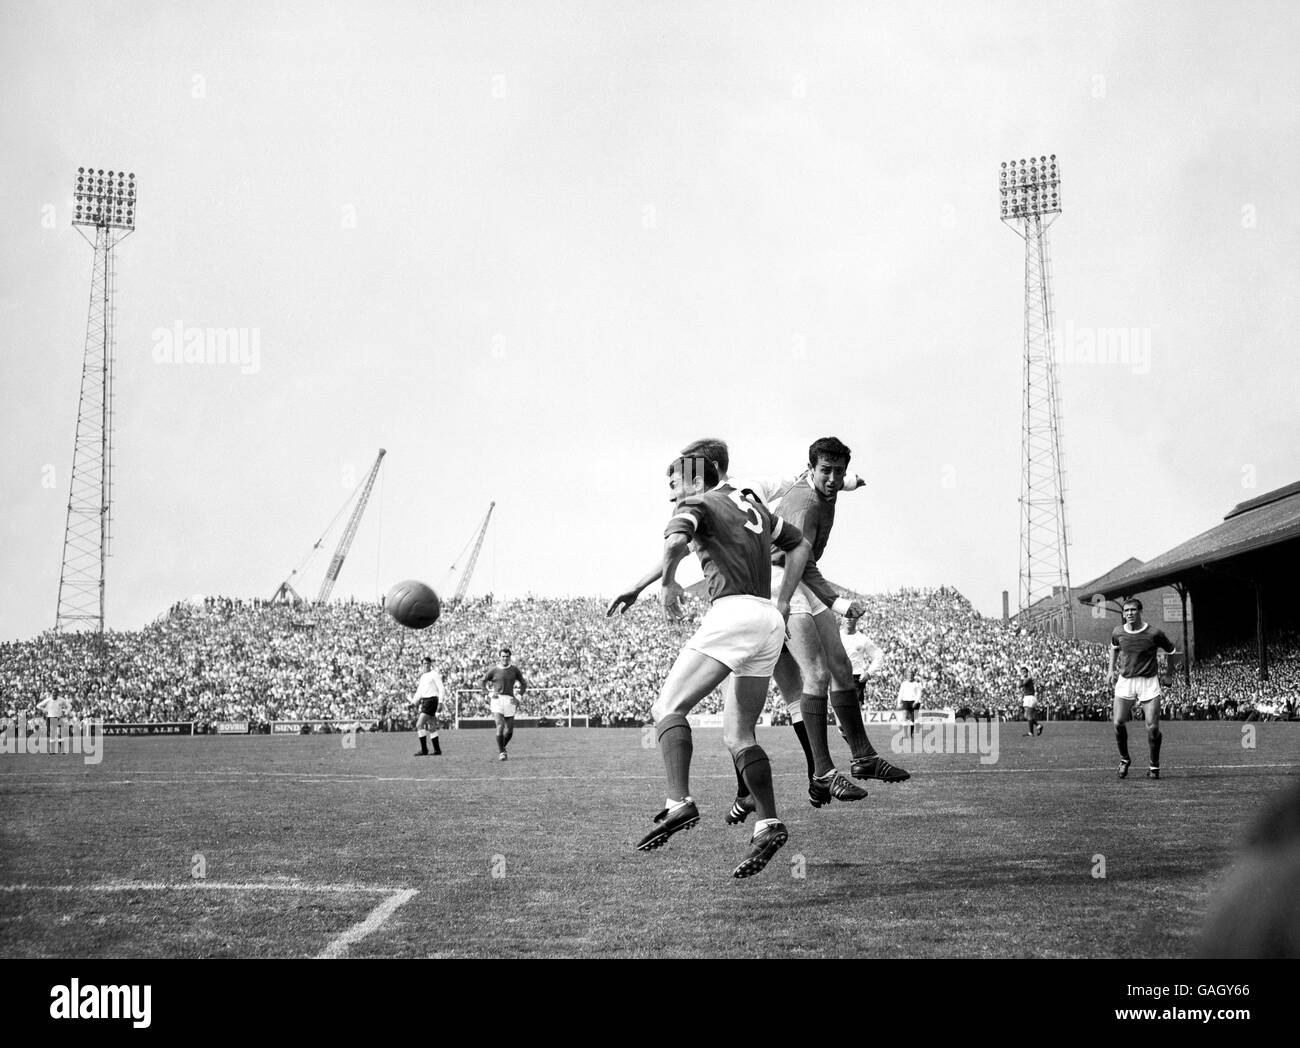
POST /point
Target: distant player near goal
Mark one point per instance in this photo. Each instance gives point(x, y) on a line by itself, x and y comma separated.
point(429, 693)
point(1029, 701)
point(909, 699)
point(54, 710)
point(1134, 645)
point(504, 683)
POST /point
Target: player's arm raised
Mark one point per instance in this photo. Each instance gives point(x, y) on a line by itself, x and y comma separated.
point(852, 481)
point(628, 597)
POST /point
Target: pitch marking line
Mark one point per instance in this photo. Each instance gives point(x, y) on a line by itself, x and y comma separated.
point(339, 946)
point(347, 778)
point(336, 947)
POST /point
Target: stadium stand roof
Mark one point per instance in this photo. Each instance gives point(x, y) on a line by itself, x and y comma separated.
point(1088, 590)
point(1257, 523)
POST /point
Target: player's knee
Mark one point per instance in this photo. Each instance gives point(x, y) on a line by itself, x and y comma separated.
point(816, 682)
point(840, 672)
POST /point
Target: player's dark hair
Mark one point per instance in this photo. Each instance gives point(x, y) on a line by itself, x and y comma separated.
point(1131, 600)
point(692, 466)
point(711, 448)
point(828, 448)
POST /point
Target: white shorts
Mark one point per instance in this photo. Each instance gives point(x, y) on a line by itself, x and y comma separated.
point(1029, 702)
point(503, 705)
point(1144, 689)
point(804, 601)
point(742, 632)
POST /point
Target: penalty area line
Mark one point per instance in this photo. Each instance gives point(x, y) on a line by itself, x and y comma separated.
point(339, 946)
point(201, 885)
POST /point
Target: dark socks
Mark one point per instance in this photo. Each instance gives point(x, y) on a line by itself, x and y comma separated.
point(674, 736)
point(849, 714)
point(755, 769)
point(424, 746)
point(802, 733)
point(1121, 739)
point(437, 746)
point(742, 789)
point(1153, 742)
point(814, 720)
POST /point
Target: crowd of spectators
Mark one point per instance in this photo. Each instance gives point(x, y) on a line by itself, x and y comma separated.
point(219, 659)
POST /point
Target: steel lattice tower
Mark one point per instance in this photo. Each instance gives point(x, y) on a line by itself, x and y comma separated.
point(105, 202)
point(1030, 192)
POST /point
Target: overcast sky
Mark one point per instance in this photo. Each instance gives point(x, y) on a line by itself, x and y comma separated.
point(533, 249)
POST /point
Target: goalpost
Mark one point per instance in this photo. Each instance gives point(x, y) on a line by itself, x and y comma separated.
point(540, 707)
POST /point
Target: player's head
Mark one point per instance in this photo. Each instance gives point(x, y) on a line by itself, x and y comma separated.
point(1132, 609)
point(828, 459)
point(428, 662)
point(1024, 669)
point(504, 655)
point(713, 449)
point(690, 475)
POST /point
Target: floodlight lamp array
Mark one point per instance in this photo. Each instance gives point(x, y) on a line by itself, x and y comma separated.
point(1030, 187)
point(104, 198)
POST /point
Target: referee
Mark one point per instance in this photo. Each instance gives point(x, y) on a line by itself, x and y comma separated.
point(428, 693)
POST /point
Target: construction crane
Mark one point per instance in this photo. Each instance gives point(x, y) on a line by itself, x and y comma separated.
point(286, 593)
point(349, 533)
point(463, 584)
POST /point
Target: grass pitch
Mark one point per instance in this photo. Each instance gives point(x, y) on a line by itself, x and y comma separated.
point(269, 846)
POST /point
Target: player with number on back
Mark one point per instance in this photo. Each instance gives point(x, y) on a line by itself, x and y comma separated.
point(740, 635)
point(769, 490)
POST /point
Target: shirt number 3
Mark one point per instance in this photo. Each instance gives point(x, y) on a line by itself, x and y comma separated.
point(748, 508)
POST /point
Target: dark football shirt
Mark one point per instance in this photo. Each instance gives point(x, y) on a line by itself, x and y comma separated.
point(504, 679)
point(733, 535)
point(1137, 651)
point(814, 515)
